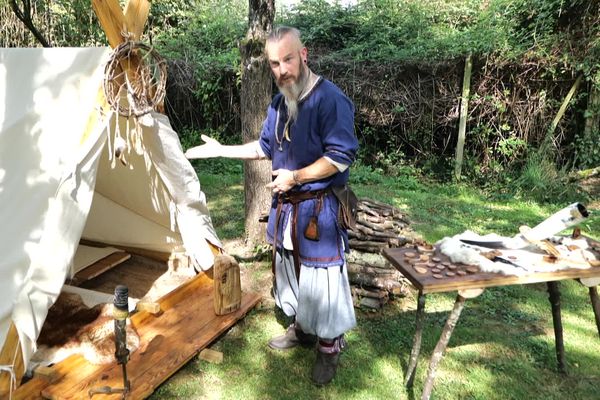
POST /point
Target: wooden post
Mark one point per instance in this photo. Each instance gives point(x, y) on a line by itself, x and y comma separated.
point(227, 289)
point(462, 124)
point(136, 15)
point(561, 110)
point(111, 19)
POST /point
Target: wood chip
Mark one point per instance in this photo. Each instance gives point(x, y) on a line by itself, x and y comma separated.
point(461, 273)
point(440, 266)
point(436, 259)
point(446, 263)
point(421, 270)
point(431, 264)
point(438, 276)
point(450, 273)
point(472, 269)
point(452, 267)
point(436, 271)
point(211, 356)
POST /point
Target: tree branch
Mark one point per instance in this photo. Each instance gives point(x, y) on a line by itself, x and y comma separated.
point(25, 16)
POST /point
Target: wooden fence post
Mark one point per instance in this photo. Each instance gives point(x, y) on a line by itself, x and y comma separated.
point(464, 110)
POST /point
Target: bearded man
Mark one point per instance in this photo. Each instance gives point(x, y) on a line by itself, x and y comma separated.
point(308, 135)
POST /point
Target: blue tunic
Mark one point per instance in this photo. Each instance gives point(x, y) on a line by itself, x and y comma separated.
point(324, 127)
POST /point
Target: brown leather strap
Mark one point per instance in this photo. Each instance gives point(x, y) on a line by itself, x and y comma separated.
point(294, 198)
point(297, 197)
point(275, 229)
point(295, 245)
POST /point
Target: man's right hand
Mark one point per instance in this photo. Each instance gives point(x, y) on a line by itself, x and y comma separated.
point(211, 148)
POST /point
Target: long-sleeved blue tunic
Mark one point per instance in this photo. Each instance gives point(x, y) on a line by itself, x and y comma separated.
point(324, 127)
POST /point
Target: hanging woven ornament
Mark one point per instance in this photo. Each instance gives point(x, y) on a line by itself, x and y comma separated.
point(134, 84)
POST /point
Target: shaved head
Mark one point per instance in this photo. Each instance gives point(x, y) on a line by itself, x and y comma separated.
point(287, 59)
point(278, 33)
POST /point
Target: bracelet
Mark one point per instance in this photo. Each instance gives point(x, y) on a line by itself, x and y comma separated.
point(296, 181)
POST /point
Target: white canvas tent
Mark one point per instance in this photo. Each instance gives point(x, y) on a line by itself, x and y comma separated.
point(58, 184)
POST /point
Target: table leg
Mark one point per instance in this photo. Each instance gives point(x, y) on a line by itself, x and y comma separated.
point(595, 306)
point(416, 348)
point(440, 348)
point(554, 297)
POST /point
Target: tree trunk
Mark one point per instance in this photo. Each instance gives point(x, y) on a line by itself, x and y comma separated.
point(255, 98)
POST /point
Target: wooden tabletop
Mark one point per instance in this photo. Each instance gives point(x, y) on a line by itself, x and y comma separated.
point(430, 271)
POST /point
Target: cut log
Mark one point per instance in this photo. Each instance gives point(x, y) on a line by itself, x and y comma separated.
point(370, 302)
point(391, 285)
point(368, 259)
point(374, 293)
point(368, 246)
point(375, 272)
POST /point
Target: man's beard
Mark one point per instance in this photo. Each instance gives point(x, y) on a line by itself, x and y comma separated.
point(292, 93)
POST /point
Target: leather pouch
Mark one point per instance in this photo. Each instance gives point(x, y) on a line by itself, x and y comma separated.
point(312, 229)
point(348, 208)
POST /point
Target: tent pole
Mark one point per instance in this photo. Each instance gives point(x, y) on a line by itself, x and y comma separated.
point(11, 355)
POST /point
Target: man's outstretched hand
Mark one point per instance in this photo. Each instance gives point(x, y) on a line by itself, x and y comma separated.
point(211, 148)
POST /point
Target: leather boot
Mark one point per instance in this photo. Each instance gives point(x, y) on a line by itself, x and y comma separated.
point(294, 336)
point(328, 357)
point(325, 367)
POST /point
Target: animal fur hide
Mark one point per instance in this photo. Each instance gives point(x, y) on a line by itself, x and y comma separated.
point(73, 328)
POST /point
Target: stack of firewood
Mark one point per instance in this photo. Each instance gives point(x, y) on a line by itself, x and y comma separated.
point(373, 279)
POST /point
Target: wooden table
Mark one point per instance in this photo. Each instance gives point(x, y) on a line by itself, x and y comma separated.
point(420, 264)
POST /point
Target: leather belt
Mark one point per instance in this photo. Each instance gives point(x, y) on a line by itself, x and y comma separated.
point(294, 198)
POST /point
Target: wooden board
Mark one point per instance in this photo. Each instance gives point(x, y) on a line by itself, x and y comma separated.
point(427, 283)
point(186, 325)
point(100, 266)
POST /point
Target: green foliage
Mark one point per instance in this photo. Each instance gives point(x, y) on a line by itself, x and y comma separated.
point(424, 31)
point(405, 176)
point(542, 180)
point(204, 35)
point(587, 150)
point(74, 24)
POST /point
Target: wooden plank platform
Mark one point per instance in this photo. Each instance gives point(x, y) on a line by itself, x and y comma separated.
point(186, 325)
point(99, 267)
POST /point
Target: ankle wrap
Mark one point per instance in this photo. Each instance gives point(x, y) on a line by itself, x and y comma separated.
point(328, 346)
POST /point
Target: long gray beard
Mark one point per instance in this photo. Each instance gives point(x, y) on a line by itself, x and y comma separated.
point(292, 108)
point(292, 93)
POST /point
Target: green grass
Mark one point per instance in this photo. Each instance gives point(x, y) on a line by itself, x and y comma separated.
point(502, 348)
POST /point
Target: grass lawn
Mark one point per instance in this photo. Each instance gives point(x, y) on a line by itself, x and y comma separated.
point(502, 347)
